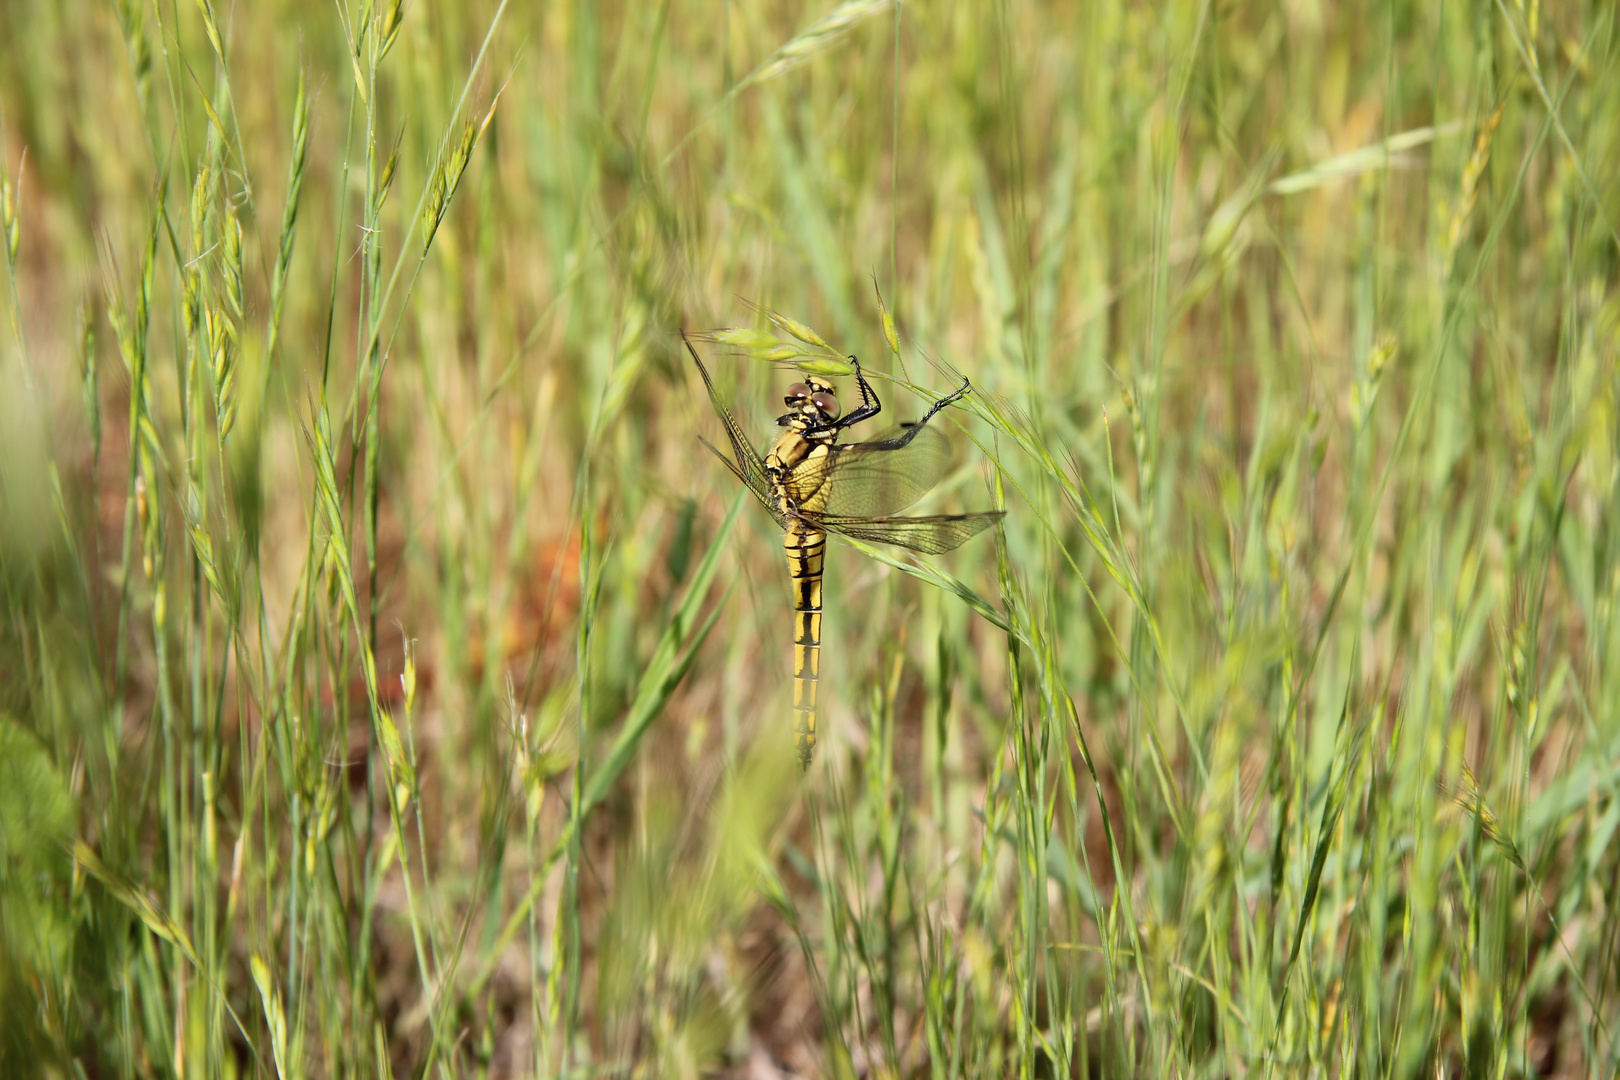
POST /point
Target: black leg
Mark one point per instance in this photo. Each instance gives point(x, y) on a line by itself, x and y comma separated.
point(944, 401)
point(870, 405)
point(910, 430)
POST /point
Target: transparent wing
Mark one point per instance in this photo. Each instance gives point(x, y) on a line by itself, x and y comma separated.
point(745, 462)
point(929, 535)
point(885, 475)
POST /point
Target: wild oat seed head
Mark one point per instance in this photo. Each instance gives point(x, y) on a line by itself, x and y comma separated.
point(799, 330)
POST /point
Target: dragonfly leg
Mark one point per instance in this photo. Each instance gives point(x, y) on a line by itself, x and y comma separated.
point(944, 401)
point(911, 429)
point(870, 405)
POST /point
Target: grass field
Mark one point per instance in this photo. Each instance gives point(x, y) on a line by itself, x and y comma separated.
point(391, 684)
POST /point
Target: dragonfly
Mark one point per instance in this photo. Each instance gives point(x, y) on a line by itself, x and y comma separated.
point(815, 485)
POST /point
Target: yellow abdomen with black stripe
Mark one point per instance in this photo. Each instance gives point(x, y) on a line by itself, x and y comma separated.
point(805, 548)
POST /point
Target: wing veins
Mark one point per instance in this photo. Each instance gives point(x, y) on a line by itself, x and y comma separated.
point(880, 477)
point(930, 535)
point(748, 467)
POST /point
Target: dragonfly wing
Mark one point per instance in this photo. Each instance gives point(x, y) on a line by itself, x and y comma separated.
point(762, 493)
point(928, 535)
point(885, 475)
point(745, 461)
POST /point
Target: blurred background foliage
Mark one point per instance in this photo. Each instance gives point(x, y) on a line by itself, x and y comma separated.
point(391, 683)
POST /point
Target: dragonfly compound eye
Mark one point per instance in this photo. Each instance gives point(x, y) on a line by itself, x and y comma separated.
point(796, 394)
point(825, 404)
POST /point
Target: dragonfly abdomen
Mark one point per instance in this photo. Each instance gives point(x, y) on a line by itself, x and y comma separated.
point(805, 547)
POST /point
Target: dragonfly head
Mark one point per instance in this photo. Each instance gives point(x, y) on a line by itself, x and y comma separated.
point(812, 404)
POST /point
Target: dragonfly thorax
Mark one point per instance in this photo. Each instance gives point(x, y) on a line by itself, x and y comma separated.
point(795, 470)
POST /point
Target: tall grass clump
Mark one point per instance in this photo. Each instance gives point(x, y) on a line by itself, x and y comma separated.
point(392, 685)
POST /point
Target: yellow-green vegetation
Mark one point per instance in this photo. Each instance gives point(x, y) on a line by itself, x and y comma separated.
point(392, 685)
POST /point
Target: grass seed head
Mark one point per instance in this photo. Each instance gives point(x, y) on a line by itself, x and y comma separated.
point(386, 181)
point(818, 37)
point(221, 335)
point(389, 21)
point(446, 178)
point(289, 213)
point(231, 267)
point(8, 216)
point(88, 376)
point(798, 329)
point(1469, 184)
